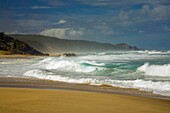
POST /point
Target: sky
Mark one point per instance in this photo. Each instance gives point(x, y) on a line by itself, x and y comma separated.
point(142, 23)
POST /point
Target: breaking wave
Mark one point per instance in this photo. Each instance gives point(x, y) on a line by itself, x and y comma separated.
point(162, 88)
point(71, 65)
point(126, 69)
point(155, 70)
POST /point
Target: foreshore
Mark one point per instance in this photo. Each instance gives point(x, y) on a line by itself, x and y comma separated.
point(34, 56)
point(16, 82)
point(19, 56)
point(22, 95)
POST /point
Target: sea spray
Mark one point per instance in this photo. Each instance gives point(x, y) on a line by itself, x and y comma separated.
point(155, 70)
point(162, 88)
point(144, 70)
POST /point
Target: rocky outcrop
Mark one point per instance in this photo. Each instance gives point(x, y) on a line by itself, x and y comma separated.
point(15, 46)
point(126, 46)
point(69, 54)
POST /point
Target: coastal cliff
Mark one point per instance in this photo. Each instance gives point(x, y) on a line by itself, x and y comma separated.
point(9, 45)
point(54, 45)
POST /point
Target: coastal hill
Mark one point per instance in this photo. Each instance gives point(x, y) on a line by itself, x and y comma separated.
point(54, 45)
point(9, 45)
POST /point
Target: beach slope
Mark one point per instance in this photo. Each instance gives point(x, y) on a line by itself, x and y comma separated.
point(27, 100)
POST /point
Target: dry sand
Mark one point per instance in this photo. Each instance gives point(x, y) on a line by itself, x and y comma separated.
point(26, 100)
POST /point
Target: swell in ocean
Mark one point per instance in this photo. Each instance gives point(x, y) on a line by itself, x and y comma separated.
point(144, 70)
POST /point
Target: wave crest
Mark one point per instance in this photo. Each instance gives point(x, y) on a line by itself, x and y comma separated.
point(162, 88)
point(72, 65)
point(155, 70)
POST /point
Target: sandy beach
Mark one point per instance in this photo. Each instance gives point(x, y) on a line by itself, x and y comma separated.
point(18, 56)
point(85, 56)
point(33, 96)
point(26, 100)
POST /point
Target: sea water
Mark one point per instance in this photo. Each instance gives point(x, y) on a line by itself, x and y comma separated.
point(144, 70)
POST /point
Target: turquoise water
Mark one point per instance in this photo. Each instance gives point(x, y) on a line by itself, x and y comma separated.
point(145, 70)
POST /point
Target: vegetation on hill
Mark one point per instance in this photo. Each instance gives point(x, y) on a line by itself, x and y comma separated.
point(55, 45)
point(9, 45)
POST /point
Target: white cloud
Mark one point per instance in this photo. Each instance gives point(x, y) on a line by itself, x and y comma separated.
point(40, 7)
point(160, 13)
point(146, 13)
point(96, 2)
point(61, 22)
point(60, 33)
point(63, 32)
point(76, 33)
point(156, 13)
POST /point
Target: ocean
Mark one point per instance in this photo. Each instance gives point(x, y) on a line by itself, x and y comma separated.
point(144, 70)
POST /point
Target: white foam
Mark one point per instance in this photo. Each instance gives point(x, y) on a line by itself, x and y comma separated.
point(152, 52)
point(65, 64)
point(125, 57)
point(43, 75)
point(70, 66)
point(162, 88)
point(35, 73)
point(94, 69)
point(45, 60)
point(16, 61)
point(92, 63)
point(156, 70)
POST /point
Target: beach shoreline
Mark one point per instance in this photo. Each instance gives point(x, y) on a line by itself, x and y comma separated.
point(30, 95)
point(16, 82)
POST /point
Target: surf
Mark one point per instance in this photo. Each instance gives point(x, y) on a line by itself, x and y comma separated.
point(155, 70)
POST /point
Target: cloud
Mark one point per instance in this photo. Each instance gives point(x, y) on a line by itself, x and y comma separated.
point(40, 7)
point(121, 2)
point(65, 33)
point(96, 2)
point(140, 31)
point(33, 23)
point(146, 13)
point(16, 32)
point(166, 28)
point(104, 28)
point(55, 2)
point(61, 22)
point(75, 33)
point(56, 32)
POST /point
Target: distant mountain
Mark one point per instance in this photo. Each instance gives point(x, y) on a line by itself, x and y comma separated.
point(56, 45)
point(13, 46)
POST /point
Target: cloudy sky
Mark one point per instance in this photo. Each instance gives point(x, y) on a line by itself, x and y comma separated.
point(144, 23)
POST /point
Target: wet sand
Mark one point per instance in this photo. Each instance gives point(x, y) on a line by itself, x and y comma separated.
point(49, 84)
point(19, 56)
point(21, 95)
